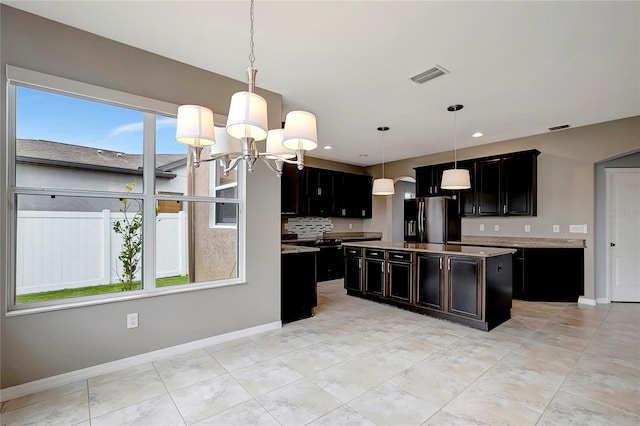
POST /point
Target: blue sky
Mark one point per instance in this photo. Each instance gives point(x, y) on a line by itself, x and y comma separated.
point(53, 117)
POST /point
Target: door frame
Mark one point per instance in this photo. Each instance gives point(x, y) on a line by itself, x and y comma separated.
point(610, 171)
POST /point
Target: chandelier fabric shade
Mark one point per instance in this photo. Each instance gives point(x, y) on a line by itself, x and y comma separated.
point(274, 145)
point(225, 144)
point(247, 116)
point(300, 131)
point(195, 126)
point(383, 186)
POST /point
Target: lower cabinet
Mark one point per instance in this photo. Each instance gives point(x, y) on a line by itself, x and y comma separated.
point(298, 291)
point(353, 269)
point(430, 280)
point(465, 287)
point(400, 270)
point(475, 291)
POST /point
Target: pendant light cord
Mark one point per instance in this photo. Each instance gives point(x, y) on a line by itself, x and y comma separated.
point(455, 139)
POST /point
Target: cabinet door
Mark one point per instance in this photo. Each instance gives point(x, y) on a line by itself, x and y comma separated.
point(361, 193)
point(319, 192)
point(465, 288)
point(341, 184)
point(431, 281)
point(436, 178)
point(468, 200)
point(293, 197)
point(520, 178)
point(374, 276)
point(400, 279)
point(423, 181)
point(353, 273)
point(488, 191)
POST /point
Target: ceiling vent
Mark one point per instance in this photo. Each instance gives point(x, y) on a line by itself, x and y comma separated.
point(560, 127)
point(429, 74)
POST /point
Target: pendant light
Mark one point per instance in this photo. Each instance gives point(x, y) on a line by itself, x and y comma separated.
point(455, 178)
point(383, 186)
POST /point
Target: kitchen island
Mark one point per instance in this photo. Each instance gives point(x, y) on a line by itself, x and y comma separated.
point(298, 293)
point(467, 284)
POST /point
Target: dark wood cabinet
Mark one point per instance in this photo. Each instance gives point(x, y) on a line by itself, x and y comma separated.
point(501, 185)
point(327, 193)
point(374, 272)
point(400, 275)
point(330, 263)
point(353, 269)
point(430, 281)
point(429, 178)
point(488, 187)
point(298, 282)
point(465, 287)
point(549, 274)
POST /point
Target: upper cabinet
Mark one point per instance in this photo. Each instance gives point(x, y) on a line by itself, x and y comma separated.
point(502, 185)
point(327, 193)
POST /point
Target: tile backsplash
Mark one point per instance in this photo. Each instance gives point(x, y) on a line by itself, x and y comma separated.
point(309, 227)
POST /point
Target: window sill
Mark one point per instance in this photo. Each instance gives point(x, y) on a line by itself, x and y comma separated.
point(18, 311)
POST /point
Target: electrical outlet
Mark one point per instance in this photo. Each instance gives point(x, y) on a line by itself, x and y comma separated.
point(527, 228)
point(482, 226)
point(556, 228)
point(496, 228)
point(132, 320)
point(351, 226)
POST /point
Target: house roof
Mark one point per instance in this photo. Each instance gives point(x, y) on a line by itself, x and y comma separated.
point(84, 157)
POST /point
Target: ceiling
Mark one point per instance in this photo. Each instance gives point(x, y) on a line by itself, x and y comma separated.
point(517, 67)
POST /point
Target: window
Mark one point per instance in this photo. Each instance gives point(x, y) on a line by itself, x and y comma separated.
point(105, 204)
point(223, 215)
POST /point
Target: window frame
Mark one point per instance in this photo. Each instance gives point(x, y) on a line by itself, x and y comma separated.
point(151, 109)
point(214, 177)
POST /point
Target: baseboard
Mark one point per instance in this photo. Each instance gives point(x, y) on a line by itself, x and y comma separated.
point(603, 300)
point(586, 301)
point(109, 367)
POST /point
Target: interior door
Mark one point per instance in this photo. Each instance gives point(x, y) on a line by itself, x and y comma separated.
point(623, 217)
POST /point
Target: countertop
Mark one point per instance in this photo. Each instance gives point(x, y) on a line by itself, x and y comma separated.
point(434, 248)
point(519, 242)
point(289, 249)
point(344, 236)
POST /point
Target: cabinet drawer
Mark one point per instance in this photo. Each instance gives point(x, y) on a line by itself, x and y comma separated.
point(373, 253)
point(352, 252)
point(400, 256)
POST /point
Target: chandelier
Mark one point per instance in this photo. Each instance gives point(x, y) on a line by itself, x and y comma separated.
point(247, 125)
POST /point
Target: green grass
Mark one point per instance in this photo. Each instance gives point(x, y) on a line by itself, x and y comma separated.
point(67, 293)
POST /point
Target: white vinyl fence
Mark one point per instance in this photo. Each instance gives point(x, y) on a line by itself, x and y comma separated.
point(56, 250)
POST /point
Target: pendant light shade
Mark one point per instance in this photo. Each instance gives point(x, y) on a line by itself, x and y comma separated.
point(455, 179)
point(195, 126)
point(383, 187)
point(274, 145)
point(247, 116)
point(300, 131)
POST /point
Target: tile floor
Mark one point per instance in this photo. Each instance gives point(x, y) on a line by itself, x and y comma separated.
point(361, 363)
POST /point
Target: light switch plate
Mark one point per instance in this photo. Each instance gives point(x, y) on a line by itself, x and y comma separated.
point(527, 228)
point(482, 226)
point(132, 320)
point(556, 228)
point(496, 228)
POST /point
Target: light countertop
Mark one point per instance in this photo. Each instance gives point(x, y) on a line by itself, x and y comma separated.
point(291, 249)
point(519, 242)
point(434, 248)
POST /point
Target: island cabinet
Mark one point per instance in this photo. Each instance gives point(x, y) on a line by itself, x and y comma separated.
point(469, 285)
point(353, 269)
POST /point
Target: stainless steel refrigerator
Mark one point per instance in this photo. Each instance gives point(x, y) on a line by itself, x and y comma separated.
point(432, 220)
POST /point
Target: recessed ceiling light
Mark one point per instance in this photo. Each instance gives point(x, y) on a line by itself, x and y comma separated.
point(363, 155)
point(327, 147)
point(477, 135)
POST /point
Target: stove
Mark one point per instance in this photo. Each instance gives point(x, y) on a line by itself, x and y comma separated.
point(327, 242)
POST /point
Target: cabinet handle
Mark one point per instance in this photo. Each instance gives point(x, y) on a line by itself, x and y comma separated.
point(448, 264)
point(479, 209)
point(388, 267)
point(319, 191)
point(504, 209)
point(473, 209)
point(382, 267)
point(359, 263)
point(440, 263)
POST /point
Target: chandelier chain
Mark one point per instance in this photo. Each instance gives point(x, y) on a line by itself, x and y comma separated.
point(252, 57)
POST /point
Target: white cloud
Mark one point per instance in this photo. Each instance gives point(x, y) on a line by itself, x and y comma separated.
point(125, 128)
